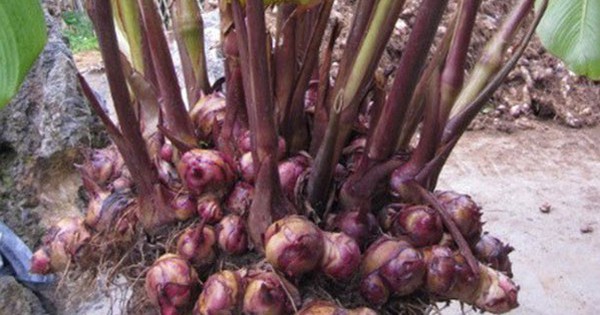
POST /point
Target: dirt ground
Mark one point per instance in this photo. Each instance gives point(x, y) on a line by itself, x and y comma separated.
point(514, 178)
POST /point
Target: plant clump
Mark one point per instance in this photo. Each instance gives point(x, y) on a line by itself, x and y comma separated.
point(281, 187)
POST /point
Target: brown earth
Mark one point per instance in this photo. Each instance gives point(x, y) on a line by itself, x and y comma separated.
point(539, 88)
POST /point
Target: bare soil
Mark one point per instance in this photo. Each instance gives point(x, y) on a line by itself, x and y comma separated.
point(516, 179)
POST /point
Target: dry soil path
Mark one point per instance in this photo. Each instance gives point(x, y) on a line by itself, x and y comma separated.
point(557, 255)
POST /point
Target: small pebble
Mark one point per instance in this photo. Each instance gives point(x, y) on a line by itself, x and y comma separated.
point(524, 123)
point(515, 111)
point(572, 121)
point(545, 208)
point(586, 229)
point(586, 111)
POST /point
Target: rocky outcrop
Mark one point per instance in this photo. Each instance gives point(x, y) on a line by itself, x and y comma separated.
point(41, 131)
point(16, 299)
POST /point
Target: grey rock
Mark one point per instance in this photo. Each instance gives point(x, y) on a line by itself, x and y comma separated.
point(17, 299)
point(40, 133)
point(212, 40)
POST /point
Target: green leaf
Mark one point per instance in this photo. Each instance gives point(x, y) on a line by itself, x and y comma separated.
point(571, 31)
point(22, 38)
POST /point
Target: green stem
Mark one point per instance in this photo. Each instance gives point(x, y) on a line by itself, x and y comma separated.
point(322, 171)
point(321, 118)
point(189, 32)
point(127, 16)
point(371, 48)
point(378, 32)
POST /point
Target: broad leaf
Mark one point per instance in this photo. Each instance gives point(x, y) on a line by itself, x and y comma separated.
point(22, 38)
point(571, 31)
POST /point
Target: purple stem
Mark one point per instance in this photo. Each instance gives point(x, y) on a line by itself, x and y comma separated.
point(285, 59)
point(459, 124)
point(111, 128)
point(261, 106)
point(133, 149)
point(295, 130)
point(321, 111)
point(176, 116)
point(241, 34)
point(270, 203)
point(414, 113)
point(387, 130)
point(453, 75)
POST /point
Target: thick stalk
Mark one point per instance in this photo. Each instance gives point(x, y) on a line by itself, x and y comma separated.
point(189, 32)
point(235, 110)
point(304, 28)
point(284, 59)
point(362, 14)
point(428, 142)
point(458, 124)
point(151, 205)
point(261, 107)
point(270, 204)
point(360, 187)
point(241, 34)
point(235, 99)
point(387, 129)
point(414, 114)
point(321, 118)
point(453, 75)
point(492, 57)
point(127, 16)
point(321, 175)
point(371, 48)
point(295, 126)
point(175, 115)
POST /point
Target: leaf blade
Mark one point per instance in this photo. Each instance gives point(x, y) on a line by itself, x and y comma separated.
point(22, 38)
point(570, 30)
